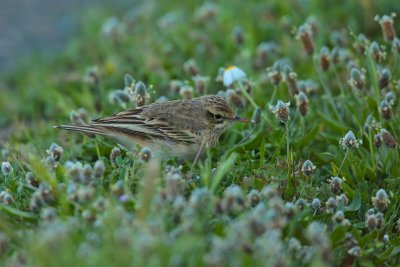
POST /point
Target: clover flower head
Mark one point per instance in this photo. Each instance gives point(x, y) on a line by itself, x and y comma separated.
point(308, 168)
point(233, 74)
point(6, 168)
point(281, 111)
point(350, 141)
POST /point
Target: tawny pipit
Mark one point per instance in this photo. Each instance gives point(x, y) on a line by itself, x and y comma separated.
point(180, 128)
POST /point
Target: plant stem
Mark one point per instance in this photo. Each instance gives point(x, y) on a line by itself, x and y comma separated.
point(289, 180)
point(273, 94)
point(344, 159)
point(246, 95)
point(372, 73)
point(325, 87)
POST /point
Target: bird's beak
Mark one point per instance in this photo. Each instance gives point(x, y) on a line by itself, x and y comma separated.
point(240, 119)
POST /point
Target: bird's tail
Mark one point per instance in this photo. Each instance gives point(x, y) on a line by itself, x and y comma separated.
point(87, 129)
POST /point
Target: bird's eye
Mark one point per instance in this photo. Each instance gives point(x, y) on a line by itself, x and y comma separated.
point(217, 116)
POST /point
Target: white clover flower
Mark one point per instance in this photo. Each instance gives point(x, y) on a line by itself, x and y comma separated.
point(349, 141)
point(6, 168)
point(233, 74)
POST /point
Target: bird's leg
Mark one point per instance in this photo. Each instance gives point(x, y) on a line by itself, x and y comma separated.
point(202, 145)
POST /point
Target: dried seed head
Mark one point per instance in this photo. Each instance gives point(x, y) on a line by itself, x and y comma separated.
point(301, 204)
point(92, 76)
point(186, 92)
point(335, 184)
point(304, 34)
point(274, 74)
point(331, 204)
point(371, 221)
point(315, 204)
point(376, 52)
point(324, 58)
point(308, 168)
point(268, 192)
point(207, 12)
point(200, 83)
point(129, 82)
point(302, 103)
point(79, 117)
point(234, 98)
point(335, 55)
point(99, 169)
point(291, 80)
point(357, 79)
point(253, 198)
point(119, 97)
point(140, 94)
point(381, 200)
point(238, 35)
point(342, 200)
point(145, 154)
point(385, 110)
point(388, 139)
point(190, 67)
point(386, 23)
point(175, 86)
point(264, 52)
point(115, 152)
point(281, 111)
point(6, 168)
point(384, 78)
point(350, 141)
point(31, 180)
point(338, 39)
point(257, 115)
point(55, 151)
point(355, 252)
point(312, 21)
point(338, 217)
point(377, 140)
point(362, 43)
point(6, 198)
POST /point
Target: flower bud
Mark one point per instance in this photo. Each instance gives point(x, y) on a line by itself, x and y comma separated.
point(357, 79)
point(275, 73)
point(31, 180)
point(331, 204)
point(376, 52)
point(238, 35)
point(385, 110)
point(381, 200)
point(388, 139)
point(253, 197)
point(315, 204)
point(233, 97)
point(291, 80)
point(115, 152)
point(372, 222)
point(390, 98)
point(355, 252)
point(361, 43)
point(338, 217)
point(175, 86)
point(342, 200)
point(384, 78)
point(140, 94)
point(145, 154)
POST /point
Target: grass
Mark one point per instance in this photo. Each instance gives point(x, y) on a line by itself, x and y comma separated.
point(247, 202)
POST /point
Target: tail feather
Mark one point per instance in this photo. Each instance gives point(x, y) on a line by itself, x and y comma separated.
point(87, 129)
